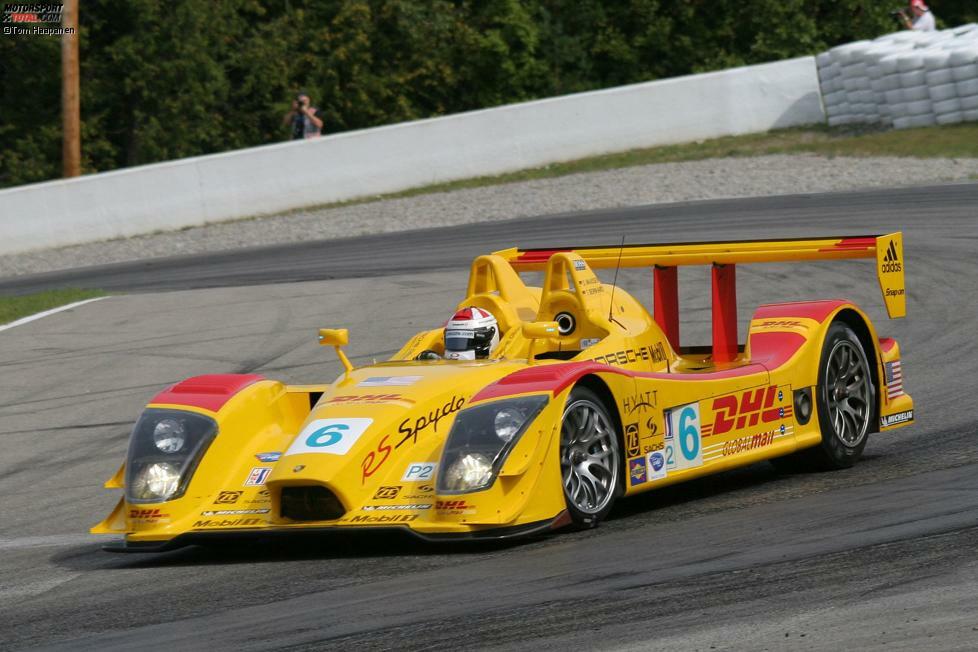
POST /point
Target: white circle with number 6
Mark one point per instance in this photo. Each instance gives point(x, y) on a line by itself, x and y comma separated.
point(684, 448)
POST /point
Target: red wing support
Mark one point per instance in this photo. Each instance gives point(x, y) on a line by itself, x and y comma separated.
point(665, 301)
point(724, 313)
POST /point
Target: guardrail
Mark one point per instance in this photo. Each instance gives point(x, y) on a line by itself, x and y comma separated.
point(905, 79)
point(276, 178)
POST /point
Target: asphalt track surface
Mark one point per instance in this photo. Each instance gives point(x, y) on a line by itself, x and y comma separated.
point(879, 556)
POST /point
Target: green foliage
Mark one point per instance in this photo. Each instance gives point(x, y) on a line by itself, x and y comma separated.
point(30, 109)
point(175, 78)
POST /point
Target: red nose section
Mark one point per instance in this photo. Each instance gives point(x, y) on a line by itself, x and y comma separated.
point(209, 392)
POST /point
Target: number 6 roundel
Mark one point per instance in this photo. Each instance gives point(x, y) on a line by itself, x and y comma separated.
point(332, 436)
point(689, 433)
point(684, 448)
point(327, 435)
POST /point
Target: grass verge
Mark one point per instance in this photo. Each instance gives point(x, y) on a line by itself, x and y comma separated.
point(13, 308)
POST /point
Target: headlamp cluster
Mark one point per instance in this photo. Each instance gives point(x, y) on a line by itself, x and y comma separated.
point(164, 449)
point(480, 441)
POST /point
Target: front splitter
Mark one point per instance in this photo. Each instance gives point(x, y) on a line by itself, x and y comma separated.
point(229, 536)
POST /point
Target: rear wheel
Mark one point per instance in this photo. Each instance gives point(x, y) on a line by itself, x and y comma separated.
point(846, 402)
point(590, 458)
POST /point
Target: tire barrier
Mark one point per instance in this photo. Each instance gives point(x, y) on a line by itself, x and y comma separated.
point(905, 79)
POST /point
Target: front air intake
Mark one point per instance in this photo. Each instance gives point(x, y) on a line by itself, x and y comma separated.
point(313, 503)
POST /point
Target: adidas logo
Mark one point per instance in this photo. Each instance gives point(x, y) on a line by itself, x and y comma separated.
point(891, 254)
point(891, 262)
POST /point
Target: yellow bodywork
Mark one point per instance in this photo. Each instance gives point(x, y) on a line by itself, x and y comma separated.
point(671, 405)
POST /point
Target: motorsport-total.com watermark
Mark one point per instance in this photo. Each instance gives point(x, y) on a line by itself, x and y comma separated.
point(34, 19)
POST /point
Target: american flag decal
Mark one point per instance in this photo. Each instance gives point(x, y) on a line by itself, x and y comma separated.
point(894, 379)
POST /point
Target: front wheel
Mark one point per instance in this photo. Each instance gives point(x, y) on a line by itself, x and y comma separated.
point(590, 459)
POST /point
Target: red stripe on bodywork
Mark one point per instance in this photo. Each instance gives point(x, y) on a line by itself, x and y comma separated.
point(544, 378)
point(774, 349)
point(817, 310)
point(887, 344)
point(209, 392)
point(696, 376)
point(852, 243)
point(539, 256)
point(556, 378)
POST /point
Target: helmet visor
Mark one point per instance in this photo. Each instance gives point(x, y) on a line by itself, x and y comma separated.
point(477, 339)
point(459, 340)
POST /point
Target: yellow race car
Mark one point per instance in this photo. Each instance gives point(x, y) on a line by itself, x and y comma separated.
point(582, 397)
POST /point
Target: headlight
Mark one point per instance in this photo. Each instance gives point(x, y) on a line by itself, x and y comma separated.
point(481, 439)
point(164, 450)
point(508, 422)
point(472, 470)
point(157, 481)
point(169, 435)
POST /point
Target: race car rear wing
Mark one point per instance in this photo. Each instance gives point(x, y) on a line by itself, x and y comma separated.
point(723, 256)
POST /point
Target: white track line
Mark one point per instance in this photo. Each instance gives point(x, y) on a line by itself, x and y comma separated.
point(26, 320)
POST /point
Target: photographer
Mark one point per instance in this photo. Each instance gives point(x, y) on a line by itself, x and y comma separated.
point(922, 20)
point(306, 120)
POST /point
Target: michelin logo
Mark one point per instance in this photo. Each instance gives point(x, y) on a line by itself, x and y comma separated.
point(893, 419)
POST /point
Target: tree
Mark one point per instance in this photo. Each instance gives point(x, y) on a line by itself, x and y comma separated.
point(174, 78)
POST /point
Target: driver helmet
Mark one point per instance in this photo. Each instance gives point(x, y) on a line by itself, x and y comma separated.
point(471, 333)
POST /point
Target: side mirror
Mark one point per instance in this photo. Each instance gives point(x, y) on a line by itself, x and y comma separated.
point(334, 336)
point(538, 330)
point(337, 337)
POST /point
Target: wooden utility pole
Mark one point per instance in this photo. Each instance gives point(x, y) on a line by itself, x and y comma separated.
point(70, 101)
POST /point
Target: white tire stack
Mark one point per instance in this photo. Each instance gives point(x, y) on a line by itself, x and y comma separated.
point(918, 111)
point(876, 107)
point(963, 65)
point(905, 79)
point(833, 92)
point(889, 84)
point(848, 106)
point(941, 87)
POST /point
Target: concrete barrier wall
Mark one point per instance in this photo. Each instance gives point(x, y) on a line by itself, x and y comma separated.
point(274, 178)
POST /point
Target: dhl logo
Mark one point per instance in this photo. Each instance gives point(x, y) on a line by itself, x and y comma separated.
point(365, 398)
point(147, 514)
point(781, 323)
point(450, 504)
point(746, 410)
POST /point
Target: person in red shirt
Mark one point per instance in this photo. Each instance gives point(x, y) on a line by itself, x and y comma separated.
point(923, 19)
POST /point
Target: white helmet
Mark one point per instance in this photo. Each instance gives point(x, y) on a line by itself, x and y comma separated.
point(471, 333)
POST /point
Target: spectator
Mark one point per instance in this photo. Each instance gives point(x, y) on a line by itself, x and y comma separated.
point(923, 19)
point(306, 120)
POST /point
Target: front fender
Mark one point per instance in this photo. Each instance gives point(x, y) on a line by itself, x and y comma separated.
point(255, 417)
point(530, 487)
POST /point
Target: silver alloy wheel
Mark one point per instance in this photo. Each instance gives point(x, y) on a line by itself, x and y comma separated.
point(588, 457)
point(848, 392)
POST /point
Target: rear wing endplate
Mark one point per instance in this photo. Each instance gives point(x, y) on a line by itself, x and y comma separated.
point(887, 250)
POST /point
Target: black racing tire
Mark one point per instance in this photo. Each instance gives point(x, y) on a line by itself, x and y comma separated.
point(845, 400)
point(591, 465)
